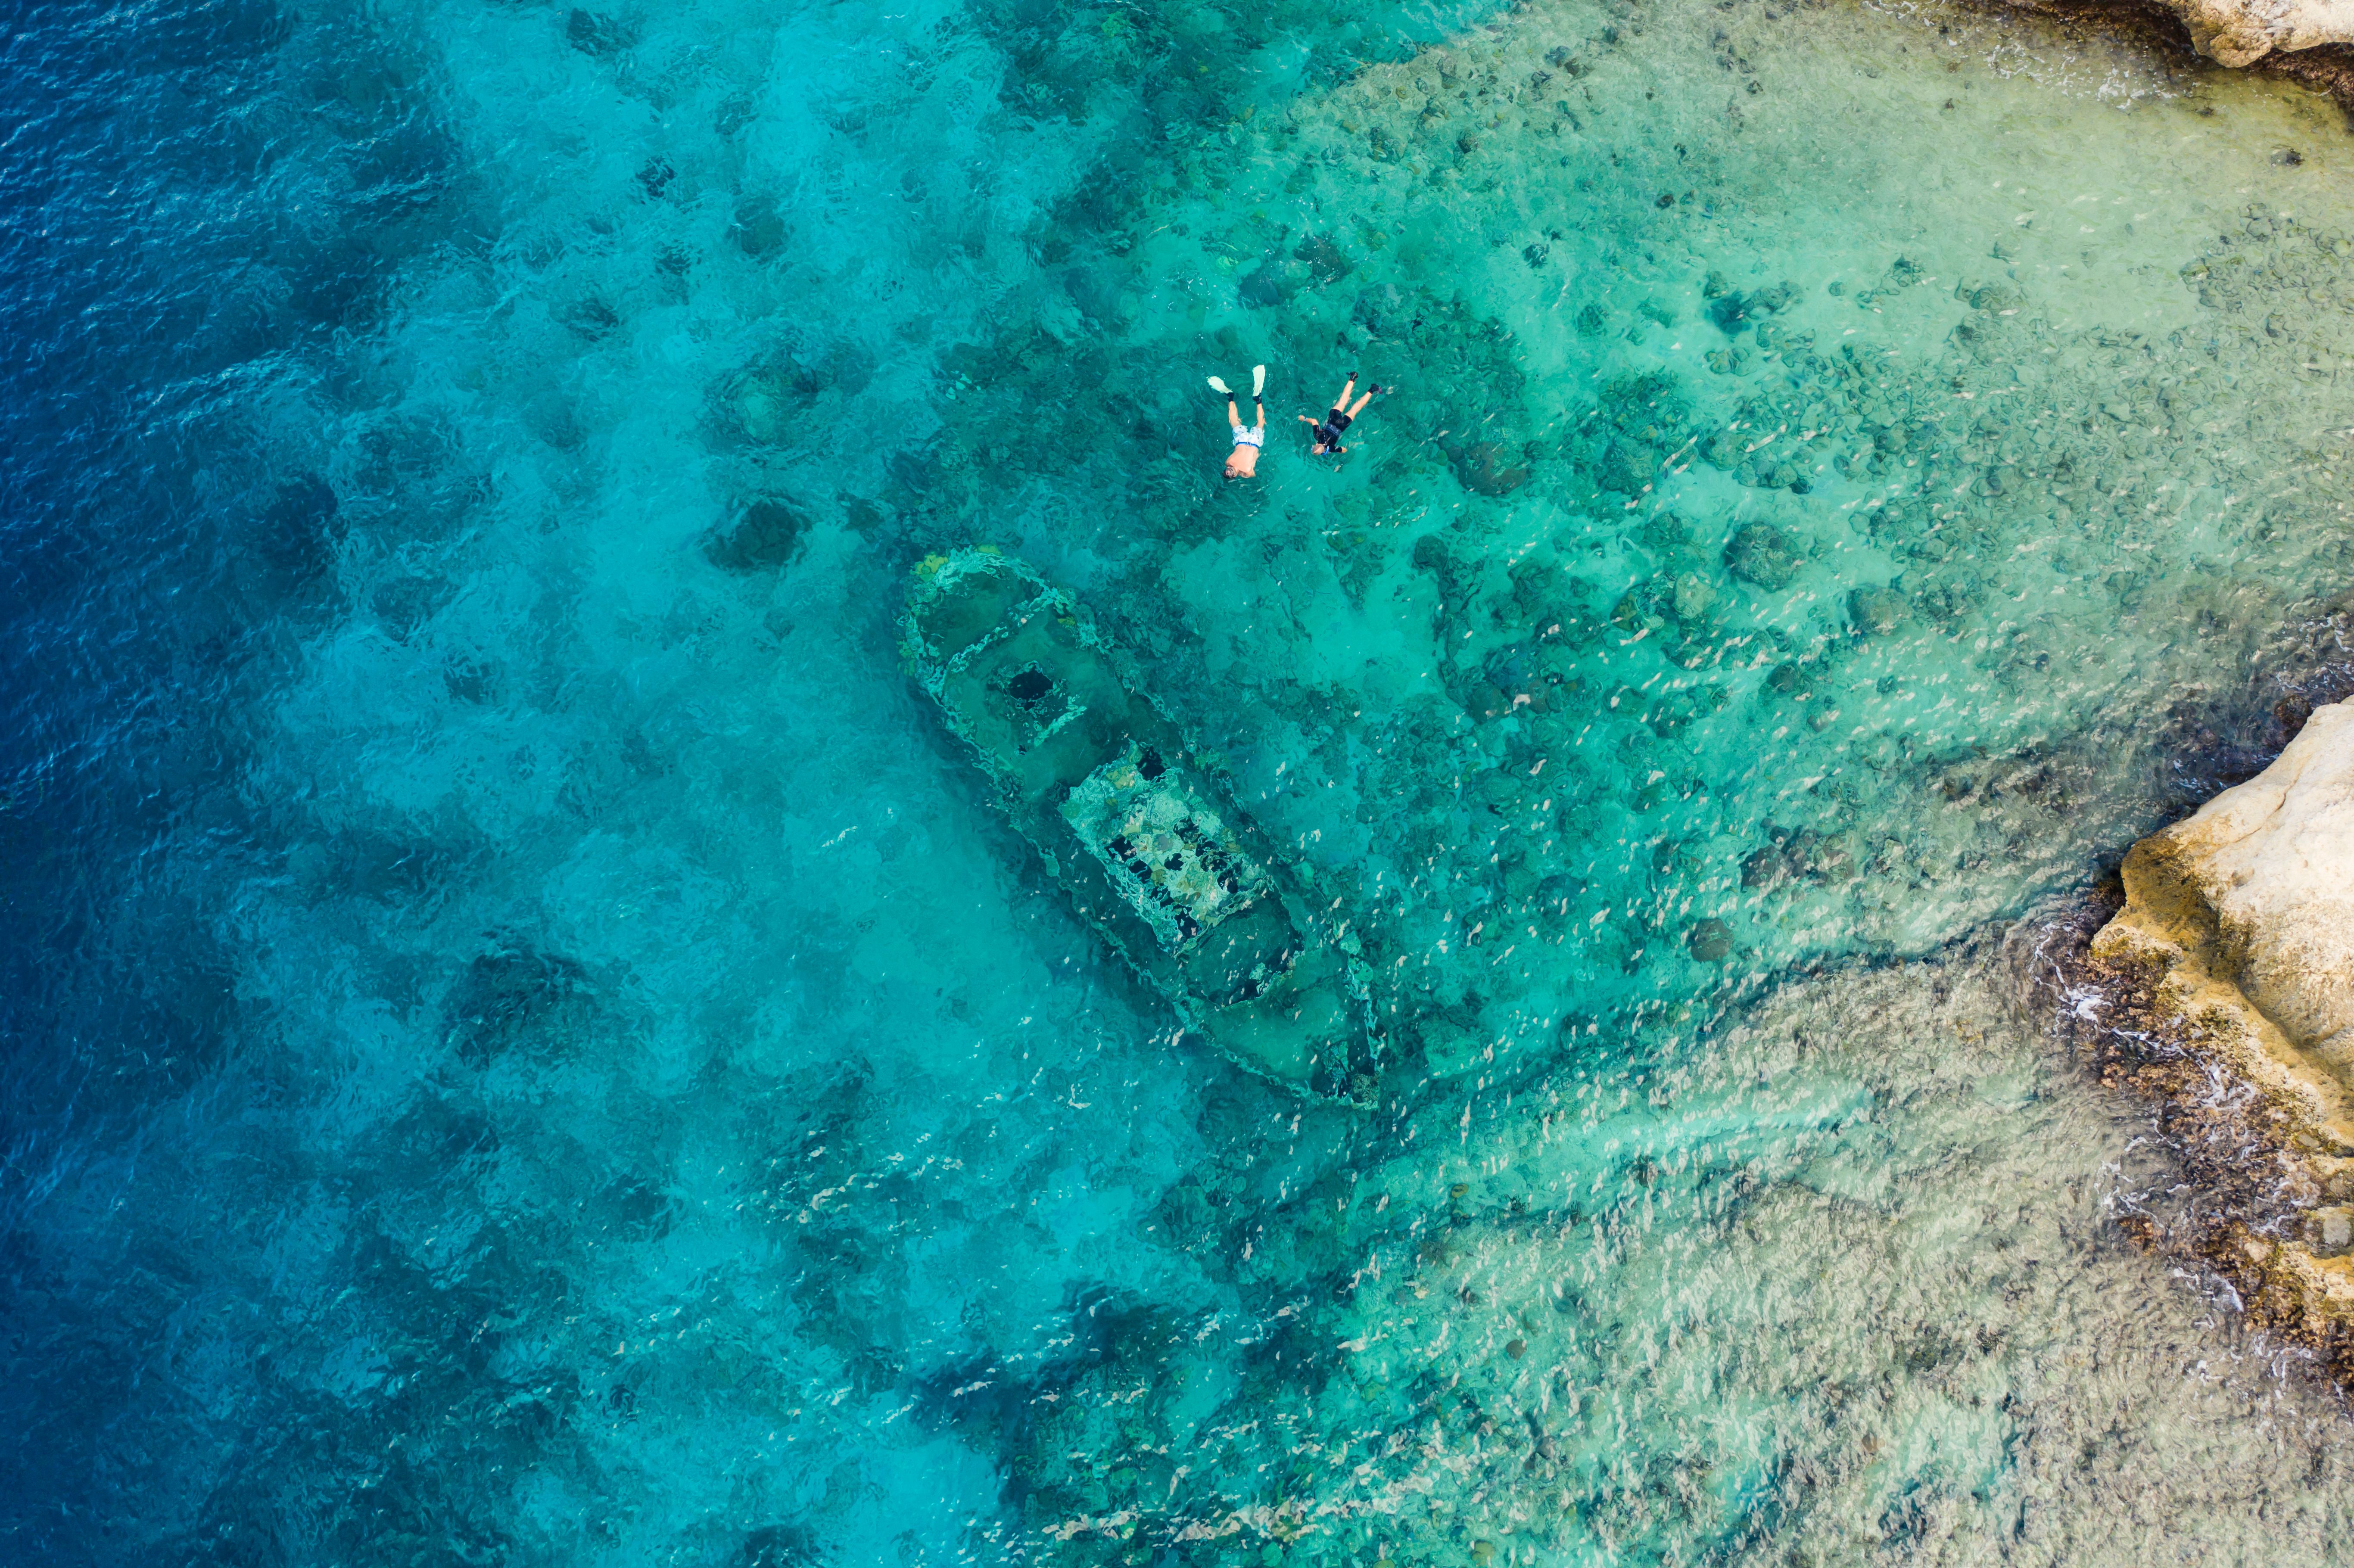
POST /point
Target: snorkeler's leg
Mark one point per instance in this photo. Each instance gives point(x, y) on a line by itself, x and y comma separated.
point(1341, 398)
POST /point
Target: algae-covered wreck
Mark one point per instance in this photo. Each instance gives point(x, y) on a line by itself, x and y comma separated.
point(1142, 835)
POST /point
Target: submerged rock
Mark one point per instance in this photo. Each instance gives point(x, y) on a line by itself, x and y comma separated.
point(1486, 467)
point(1710, 940)
point(1327, 263)
point(2235, 948)
point(1627, 466)
point(768, 533)
point(1694, 597)
point(1764, 555)
point(1876, 610)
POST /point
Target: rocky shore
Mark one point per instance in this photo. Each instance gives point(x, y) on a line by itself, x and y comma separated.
point(2224, 988)
point(2310, 42)
point(2241, 32)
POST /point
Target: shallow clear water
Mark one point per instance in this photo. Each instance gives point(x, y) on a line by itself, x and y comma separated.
point(529, 1043)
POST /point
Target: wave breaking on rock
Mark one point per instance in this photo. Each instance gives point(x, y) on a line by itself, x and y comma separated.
point(2224, 988)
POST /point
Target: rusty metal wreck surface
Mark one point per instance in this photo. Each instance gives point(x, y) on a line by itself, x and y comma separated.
point(1141, 833)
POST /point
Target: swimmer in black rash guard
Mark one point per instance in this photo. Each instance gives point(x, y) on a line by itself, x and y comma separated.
point(1343, 415)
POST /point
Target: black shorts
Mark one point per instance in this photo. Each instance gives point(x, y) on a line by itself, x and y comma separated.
point(1336, 421)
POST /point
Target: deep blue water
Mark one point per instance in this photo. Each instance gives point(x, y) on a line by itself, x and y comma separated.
point(158, 564)
point(526, 1041)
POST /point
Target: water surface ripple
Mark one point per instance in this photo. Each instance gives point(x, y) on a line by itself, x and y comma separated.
point(528, 1043)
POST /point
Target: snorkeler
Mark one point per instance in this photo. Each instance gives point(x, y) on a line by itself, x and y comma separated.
point(1329, 428)
point(1242, 461)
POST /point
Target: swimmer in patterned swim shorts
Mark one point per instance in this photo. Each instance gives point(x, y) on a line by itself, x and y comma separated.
point(1242, 461)
point(1329, 428)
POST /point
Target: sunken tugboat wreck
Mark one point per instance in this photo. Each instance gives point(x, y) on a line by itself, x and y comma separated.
point(1145, 839)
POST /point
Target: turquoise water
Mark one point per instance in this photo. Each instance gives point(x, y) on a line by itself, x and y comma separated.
point(563, 1062)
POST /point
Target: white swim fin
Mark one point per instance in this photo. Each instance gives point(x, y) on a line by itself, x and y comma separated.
point(1258, 379)
point(1217, 384)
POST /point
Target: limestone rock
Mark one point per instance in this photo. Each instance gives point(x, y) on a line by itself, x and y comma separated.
point(2242, 916)
point(2237, 944)
point(2241, 32)
point(2331, 1231)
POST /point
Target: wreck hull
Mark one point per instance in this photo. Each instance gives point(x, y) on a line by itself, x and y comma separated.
point(1143, 836)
